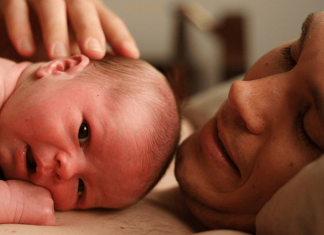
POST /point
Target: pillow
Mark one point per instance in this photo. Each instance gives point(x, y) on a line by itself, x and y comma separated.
point(298, 207)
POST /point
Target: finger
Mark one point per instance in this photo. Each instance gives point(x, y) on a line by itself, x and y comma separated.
point(53, 20)
point(18, 26)
point(74, 46)
point(86, 25)
point(117, 33)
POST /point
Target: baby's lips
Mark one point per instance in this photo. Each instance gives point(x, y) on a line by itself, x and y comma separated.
point(21, 164)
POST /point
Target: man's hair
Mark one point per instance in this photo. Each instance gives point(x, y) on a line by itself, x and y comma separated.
point(139, 81)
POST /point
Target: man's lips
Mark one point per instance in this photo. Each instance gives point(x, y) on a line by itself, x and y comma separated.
point(228, 157)
point(213, 147)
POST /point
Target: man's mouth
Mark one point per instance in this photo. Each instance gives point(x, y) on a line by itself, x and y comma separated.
point(214, 147)
point(221, 145)
point(229, 158)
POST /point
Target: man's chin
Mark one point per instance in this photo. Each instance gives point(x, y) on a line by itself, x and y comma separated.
point(216, 219)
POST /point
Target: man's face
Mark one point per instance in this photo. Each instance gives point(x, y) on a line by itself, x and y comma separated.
point(73, 139)
point(269, 128)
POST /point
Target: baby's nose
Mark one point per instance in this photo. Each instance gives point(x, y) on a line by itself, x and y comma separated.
point(66, 166)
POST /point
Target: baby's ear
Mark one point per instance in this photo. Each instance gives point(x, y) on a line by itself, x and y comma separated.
point(69, 65)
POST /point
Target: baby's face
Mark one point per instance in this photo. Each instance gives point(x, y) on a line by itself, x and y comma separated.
point(60, 134)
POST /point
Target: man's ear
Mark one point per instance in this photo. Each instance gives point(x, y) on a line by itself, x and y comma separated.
point(69, 65)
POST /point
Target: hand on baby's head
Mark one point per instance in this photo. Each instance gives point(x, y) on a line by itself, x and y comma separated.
point(30, 29)
point(96, 134)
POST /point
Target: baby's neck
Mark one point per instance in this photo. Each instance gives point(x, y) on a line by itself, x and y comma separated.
point(10, 73)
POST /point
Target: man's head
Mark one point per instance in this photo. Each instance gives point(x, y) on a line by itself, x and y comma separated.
point(270, 127)
point(96, 134)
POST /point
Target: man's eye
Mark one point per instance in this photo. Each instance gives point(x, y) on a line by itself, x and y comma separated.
point(80, 188)
point(301, 131)
point(288, 56)
point(84, 132)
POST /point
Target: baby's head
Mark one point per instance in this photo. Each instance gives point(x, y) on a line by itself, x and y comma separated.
point(96, 134)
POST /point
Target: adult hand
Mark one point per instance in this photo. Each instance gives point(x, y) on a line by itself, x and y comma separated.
point(30, 204)
point(91, 24)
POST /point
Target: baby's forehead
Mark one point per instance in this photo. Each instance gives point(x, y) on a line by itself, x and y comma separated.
point(137, 70)
point(128, 81)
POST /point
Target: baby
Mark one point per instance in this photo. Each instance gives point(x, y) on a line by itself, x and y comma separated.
point(93, 133)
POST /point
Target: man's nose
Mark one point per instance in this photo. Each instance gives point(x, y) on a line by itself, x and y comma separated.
point(254, 101)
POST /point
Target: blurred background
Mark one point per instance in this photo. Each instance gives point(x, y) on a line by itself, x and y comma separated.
point(196, 40)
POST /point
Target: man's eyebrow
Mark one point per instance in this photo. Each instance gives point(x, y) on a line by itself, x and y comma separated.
point(305, 28)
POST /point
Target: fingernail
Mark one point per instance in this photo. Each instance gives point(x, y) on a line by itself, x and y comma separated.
point(60, 50)
point(26, 45)
point(131, 48)
point(94, 45)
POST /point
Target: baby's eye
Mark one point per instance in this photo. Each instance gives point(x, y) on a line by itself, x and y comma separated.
point(80, 188)
point(83, 132)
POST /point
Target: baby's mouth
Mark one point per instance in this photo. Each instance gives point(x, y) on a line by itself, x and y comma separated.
point(30, 160)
